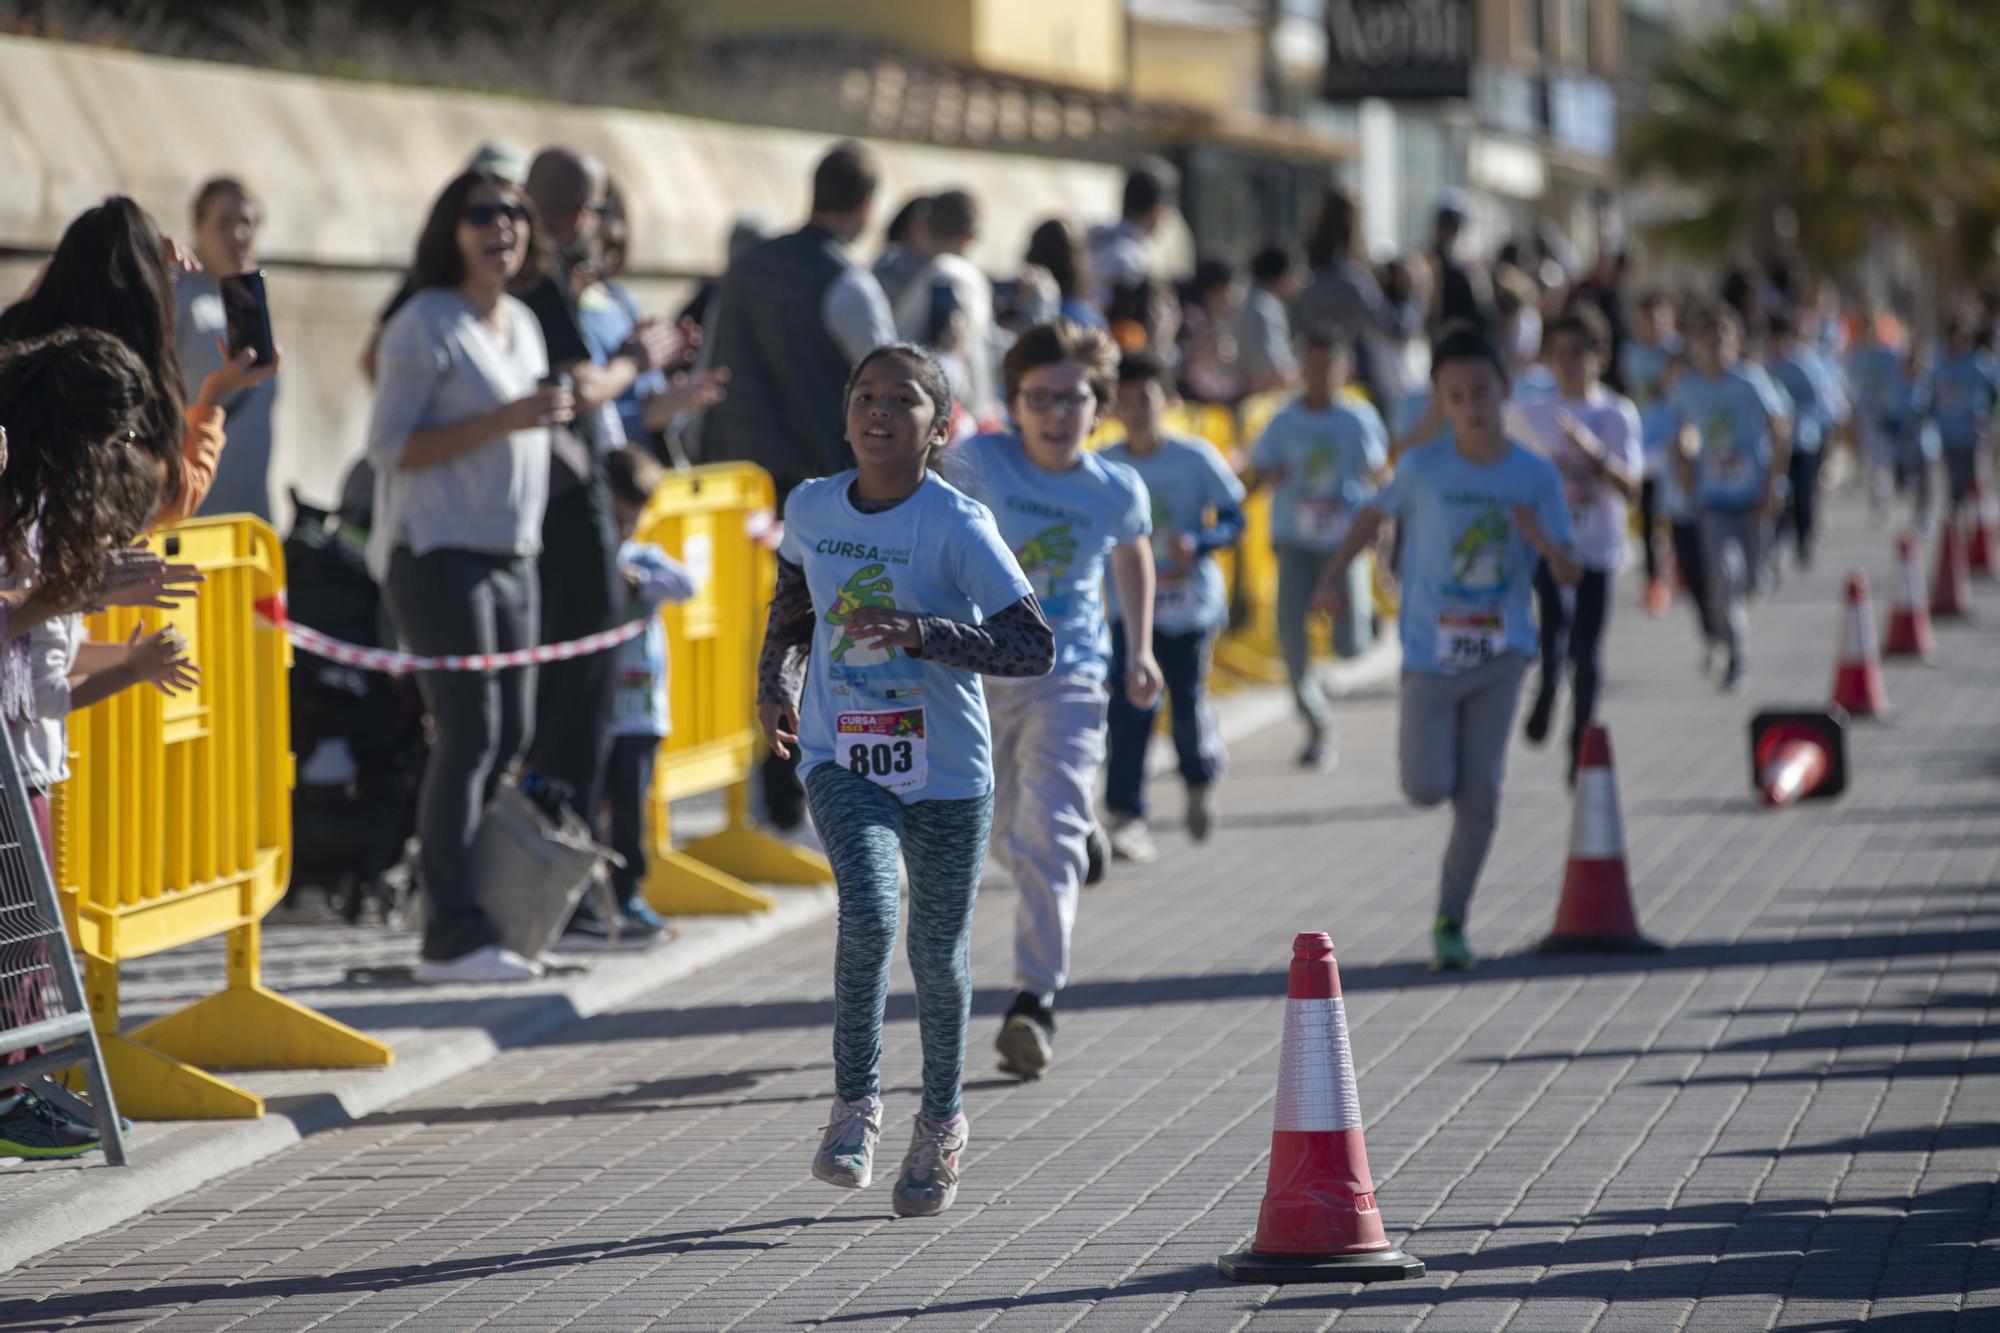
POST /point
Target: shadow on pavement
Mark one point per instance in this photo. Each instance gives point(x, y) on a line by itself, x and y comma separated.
point(1833, 1037)
point(657, 1095)
point(363, 1282)
point(1159, 1282)
point(1916, 1138)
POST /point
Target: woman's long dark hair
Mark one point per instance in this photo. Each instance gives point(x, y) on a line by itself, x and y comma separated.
point(439, 262)
point(1058, 247)
point(1332, 238)
point(109, 273)
point(71, 403)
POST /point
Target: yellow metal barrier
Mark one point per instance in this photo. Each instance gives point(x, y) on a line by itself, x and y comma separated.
point(177, 826)
point(704, 518)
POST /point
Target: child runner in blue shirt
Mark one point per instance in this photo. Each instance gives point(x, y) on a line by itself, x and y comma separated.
point(900, 594)
point(1964, 386)
point(1197, 509)
point(1873, 365)
point(1642, 363)
point(1818, 405)
point(1477, 514)
point(1071, 518)
point(1733, 451)
point(1324, 454)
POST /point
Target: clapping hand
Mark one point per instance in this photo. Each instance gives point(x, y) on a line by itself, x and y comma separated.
point(161, 660)
point(140, 578)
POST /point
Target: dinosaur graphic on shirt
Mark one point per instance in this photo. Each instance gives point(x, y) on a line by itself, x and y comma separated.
point(868, 587)
point(1478, 560)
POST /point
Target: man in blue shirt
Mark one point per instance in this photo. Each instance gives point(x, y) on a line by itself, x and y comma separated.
point(1478, 511)
point(1964, 386)
point(1818, 405)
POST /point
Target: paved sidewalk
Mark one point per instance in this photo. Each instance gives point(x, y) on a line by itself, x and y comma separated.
point(1786, 1121)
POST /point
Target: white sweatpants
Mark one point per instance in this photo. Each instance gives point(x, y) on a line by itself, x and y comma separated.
point(1048, 745)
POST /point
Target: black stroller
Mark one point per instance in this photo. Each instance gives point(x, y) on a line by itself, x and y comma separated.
point(357, 736)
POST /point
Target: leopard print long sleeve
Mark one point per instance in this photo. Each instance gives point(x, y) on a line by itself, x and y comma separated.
point(1016, 641)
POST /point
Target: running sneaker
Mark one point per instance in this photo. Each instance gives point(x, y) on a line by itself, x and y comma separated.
point(1132, 841)
point(637, 923)
point(1449, 951)
point(846, 1155)
point(1200, 810)
point(31, 1127)
point(1027, 1038)
point(929, 1181)
point(1537, 728)
point(1732, 679)
point(1322, 752)
point(1097, 854)
point(1659, 598)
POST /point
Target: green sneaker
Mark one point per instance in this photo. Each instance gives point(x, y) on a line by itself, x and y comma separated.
point(1449, 951)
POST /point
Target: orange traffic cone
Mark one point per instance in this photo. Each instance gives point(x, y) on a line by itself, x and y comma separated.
point(1857, 676)
point(1951, 590)
point(1319, 1222)
point(1983, 555)
point(1596, 913)
point(1798, 754)
point(1910, 618)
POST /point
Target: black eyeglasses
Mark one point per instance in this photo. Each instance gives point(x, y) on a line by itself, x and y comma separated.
point(485, 215)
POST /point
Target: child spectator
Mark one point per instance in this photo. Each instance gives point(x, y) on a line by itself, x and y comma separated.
point(640, 720)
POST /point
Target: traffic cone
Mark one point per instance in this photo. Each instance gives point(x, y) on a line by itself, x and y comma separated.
point(1951, 590)
point(1596, 913)
point(1910, 618)
point(1319, 1222)
point(1798, 754)
point(1857, 676)
point(1983, 553)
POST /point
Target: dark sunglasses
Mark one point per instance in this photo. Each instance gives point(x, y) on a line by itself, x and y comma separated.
point(485, 215)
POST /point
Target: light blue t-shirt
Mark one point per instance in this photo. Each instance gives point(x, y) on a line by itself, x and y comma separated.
point(1640, 368)
point(1061, 527)
point(1416, 405)
point(915, 727)
point(1963, 388)
point(1329, 460)
point(1187, 481)
point(1817, 401)
point(1872, 369)
point(1467, 578)
point(639, 700)
point(1906, 416)
point(1731, 413)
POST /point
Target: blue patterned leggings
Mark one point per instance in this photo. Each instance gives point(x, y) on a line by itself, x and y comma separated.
point(863, 827)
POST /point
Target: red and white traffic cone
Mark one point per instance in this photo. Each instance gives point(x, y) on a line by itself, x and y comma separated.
point(1983, 551)
point(1319, 1222)
point(1857, 675)
point(1951, 585)
point(1798, 754)
point(1596, 913)
point(1910, 618)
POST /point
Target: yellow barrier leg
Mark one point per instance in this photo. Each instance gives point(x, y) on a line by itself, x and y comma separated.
point(679, 885)
point(149, 1084)
point(749, 853)
point(249, 1027)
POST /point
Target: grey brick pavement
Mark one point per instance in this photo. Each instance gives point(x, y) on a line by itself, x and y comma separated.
point(1785, 1121)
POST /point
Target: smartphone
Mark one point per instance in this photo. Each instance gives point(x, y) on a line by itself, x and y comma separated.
point(248, 316)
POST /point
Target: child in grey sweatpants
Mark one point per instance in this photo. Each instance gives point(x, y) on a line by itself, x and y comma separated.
point(1478, 512)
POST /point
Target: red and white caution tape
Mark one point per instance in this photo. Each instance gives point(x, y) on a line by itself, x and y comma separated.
point(393, 663)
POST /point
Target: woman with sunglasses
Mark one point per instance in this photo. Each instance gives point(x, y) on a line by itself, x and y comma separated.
point(459, 444)
point(1068, 515)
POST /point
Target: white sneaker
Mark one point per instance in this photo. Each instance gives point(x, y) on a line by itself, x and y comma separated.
point(846, 1155)
point(490, 964)
point(929, 1181)
point(1132, 841)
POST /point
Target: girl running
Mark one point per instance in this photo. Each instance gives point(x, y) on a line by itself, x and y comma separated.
point(898, 592)
point(1068, 515)
point(1592, 436)
point(1477, 511)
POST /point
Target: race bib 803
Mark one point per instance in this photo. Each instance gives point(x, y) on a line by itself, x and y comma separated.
point(886, 748)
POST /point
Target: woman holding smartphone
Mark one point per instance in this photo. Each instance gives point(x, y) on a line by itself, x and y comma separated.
point(459, 444)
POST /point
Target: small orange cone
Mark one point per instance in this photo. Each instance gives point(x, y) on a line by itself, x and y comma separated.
point(1983, 555)
point(1951, 590)
point(1319, 1222)
point(1596, 913)
point(1857, 676)
point(1910, 618)
point(1798, 754)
